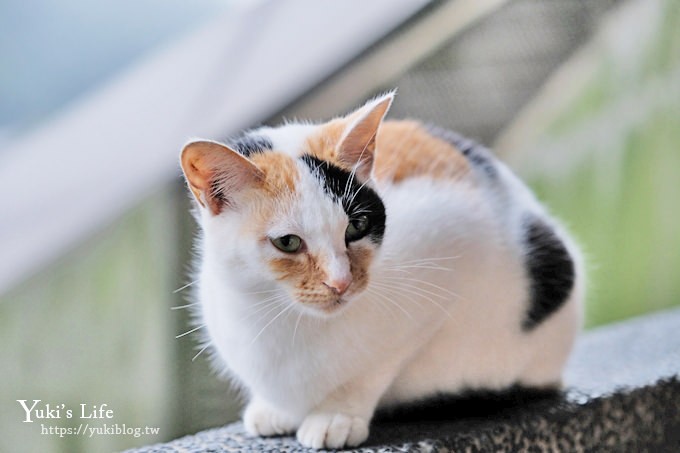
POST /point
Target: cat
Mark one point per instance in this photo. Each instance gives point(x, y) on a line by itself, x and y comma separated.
point(364, 263)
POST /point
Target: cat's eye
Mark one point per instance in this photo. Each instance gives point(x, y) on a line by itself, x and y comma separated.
point(289, 243)
point(357, 228)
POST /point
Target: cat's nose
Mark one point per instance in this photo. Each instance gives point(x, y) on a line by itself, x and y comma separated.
point(339, 286)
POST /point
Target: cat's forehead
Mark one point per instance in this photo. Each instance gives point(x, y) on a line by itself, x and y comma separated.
point(289, 139)
point(297, 201)
point(305, 186)
point(298, 139)
point(284, 154)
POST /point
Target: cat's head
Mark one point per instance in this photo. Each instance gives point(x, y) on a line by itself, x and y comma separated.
point(293, 208)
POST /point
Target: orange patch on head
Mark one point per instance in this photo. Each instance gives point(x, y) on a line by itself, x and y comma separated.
point(323, 144)
point(271, 197)
point(406, 150)
point(279, 170)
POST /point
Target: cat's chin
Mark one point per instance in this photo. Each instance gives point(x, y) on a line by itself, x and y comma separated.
point(328, 309)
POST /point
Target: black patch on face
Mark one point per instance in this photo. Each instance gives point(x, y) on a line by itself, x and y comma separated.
point(479, 156)
point(550, 269)
point(250, 144)
point(356, 199)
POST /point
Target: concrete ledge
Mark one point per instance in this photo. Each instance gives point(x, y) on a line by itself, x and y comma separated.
point(623, 394)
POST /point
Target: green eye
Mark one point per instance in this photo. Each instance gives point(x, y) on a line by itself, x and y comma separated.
point(289, 243)
point(357, 228)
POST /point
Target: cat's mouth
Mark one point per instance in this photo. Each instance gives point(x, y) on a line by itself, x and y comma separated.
point(328, 307)
point(337, 304)
point(320, 302)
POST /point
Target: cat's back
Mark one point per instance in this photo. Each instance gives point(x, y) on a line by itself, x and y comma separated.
point(443, 188)
point(409, 149)
point(426, 160)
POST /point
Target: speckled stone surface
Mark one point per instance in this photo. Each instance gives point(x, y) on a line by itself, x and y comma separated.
point(622, 394)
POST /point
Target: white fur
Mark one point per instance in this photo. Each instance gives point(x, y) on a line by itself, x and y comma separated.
point(443, 310)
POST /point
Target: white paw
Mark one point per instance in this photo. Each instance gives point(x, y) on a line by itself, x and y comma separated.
point(262, 420)
point(332, 430)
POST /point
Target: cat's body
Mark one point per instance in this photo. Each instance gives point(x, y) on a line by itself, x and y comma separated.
point(459, 281)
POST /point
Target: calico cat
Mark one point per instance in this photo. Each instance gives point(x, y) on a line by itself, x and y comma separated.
point(364, 263)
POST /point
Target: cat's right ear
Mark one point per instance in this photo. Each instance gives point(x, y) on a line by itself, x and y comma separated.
point(357, 147)
point(216, 173)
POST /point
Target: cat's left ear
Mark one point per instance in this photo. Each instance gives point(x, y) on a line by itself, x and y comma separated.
point(216, 173)
point(357, 147)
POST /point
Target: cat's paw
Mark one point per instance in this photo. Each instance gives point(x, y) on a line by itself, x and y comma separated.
point(332, 430)
point(262, 420)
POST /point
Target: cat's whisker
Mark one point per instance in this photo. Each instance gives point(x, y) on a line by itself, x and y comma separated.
point(390, 289)
point(399, 282)
point(269, 299)
point(427, 260)
point(260, 305)
point(382, 304)
point(416, 291)
point(431, 266)
point(355, 167)
point(400, 295)
point(297, 324)
point(264, 316)
point(289, 314)
point(393, 260)
point(423, 266)
point(361, 207)
point(190, 331)
point(182, 288)
point(200, 352)
point(356, 192)
point(269, 307)
point(268, 291)
point(424, 282)
point(262, 308)
point(180, 307)
point(434, 302)
point(414, 264)
point(254, 308)
point(350, 181)
point(427, 298)
point(395, 303)
point(270, 323)
point(262, 312)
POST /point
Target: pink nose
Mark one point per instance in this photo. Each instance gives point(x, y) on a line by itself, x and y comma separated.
point(339, 287)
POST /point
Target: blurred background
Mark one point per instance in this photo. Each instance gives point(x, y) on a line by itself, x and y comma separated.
point(581, 98)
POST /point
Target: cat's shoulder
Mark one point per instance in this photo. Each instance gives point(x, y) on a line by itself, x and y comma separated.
point(409, 148)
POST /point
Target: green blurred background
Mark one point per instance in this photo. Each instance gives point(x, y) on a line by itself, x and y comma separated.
point(601, 146)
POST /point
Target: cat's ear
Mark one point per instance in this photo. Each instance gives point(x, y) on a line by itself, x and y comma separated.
point(215, 173)
point(357, 147)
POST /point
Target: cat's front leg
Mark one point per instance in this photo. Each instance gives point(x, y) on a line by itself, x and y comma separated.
point(333, 429)
point(262, 419)
point(343, 418)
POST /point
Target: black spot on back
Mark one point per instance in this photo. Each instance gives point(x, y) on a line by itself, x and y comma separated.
point(550, 269)
point(355, 198)
point(479, 156)
point(246, 145)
